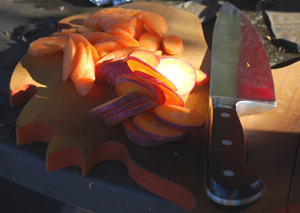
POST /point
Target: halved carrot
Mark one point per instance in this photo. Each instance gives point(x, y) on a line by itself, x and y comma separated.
point(68, 58)
point(179, 117)
point(107, 46)
point(147, 124)
point(150, 41)
point(172, 44)
point(122, 40)
point(156, 23)
point(47, 45)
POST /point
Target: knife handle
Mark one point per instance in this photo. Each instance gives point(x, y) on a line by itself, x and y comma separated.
point(229, 181)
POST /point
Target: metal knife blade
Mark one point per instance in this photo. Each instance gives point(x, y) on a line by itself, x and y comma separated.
point(241, 83)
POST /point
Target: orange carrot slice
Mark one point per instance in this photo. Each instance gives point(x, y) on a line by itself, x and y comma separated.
point(179, 117)
point(172, 44)
point(47, 45)
point(107, 46)
point(150, 41)
point(146, 56)
point(93, 36)
point(68, 58)
point(80, 62)
point(138, 25)
point(122, 40)
point(147, 124)
point(117, 31)
point(155, 23)
point(127, 27)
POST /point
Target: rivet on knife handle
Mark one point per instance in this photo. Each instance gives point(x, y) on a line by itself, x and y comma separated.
point(229, 181)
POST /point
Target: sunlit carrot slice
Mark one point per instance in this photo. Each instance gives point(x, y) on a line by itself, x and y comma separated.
point(93, 36)
point(121, 25)
point(150, 41)
point(107, 46)
point(117, 31)
point(111, 19)
point(122, 40)
point(123, 53)
point(68, 58)
point(47, 45)
point(138, 25)
point(172, 44)
point(66, 31)
point(155, 23)
point(80, 62)
point(179, 117)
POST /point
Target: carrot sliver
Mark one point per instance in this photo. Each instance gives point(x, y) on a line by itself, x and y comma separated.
point(138, 25)
point(172, 44)
point(155, 23)
point(150, 41)
point(121, 25)
point(93, 36)
point(179, 117)
point(78, 38)
point(68, 58)
point(122, 40)
point(107, 46)
point(47, 45)
point(80, 62)
point(117, 31)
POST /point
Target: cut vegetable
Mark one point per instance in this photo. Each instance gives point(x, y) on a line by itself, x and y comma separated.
point(130, 112)
point(137, 137)
point(47, 45)
point(136, 64)
point(179, 117)
point(179, 72)
point(80, 62)
point(68, 58)
point(155, 23)
point(123, 107)
point(113, 104)
point(147, 124)
point(150, 41)
point(201, 77)
point(107, 46)
point(172, 44)
point(122, 40)
point(93, 36)
point(146, 56)
point(125, 85)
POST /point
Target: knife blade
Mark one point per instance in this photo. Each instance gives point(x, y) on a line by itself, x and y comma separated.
point(241, 84)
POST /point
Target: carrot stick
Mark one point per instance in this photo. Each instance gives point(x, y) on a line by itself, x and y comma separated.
point(172, 44)
point(150, 41)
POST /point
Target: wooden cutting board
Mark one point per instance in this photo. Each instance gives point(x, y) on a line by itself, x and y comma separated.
point(54, 113)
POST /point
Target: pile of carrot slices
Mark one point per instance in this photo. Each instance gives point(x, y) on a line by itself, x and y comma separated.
point(130, 51)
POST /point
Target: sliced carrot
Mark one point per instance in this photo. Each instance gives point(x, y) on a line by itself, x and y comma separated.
point(146, 56)
point(68, 58)
point(172, 44)
point(156, 23)
point(108, 56)
point(123, 53)
point(47, 45)
point(117, 31)
point(150, 41)
point(82, 29)
point(147, 124)
point(138, 25)
point(93, 36)
point(80, 62)
point(107, 46)
point(179, 117)
point(66, 31)
point(127, 27)
point(112, 18)
point(122, 40)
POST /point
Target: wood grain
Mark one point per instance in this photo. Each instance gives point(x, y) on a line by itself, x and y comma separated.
point(56, 114)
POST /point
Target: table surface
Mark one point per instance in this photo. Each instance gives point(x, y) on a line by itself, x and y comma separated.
point(272, 152)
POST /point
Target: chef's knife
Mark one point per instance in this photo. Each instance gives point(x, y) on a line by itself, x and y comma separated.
point(241, 84)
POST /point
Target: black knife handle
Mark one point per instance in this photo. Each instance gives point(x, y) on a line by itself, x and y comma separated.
point(229, 181)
